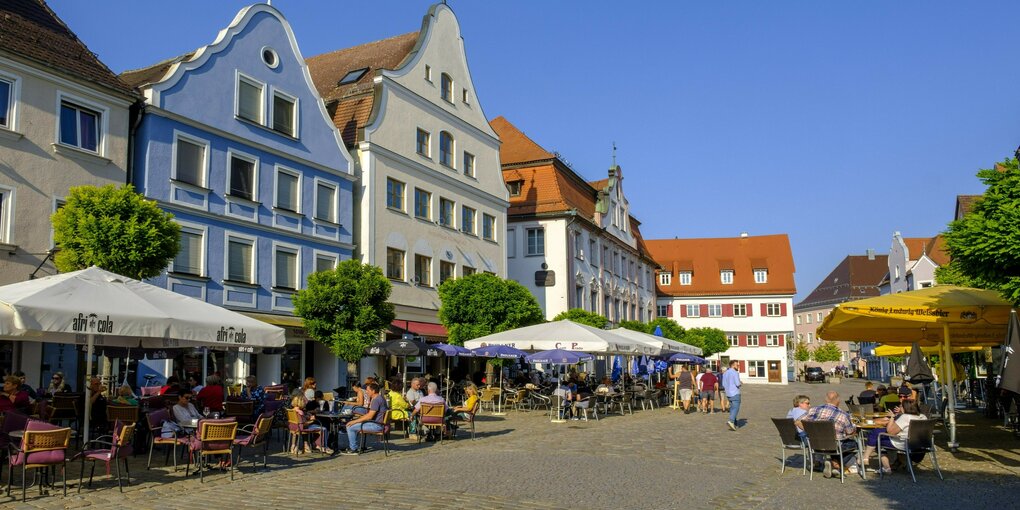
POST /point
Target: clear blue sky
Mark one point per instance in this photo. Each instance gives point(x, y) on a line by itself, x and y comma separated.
point(835, 123)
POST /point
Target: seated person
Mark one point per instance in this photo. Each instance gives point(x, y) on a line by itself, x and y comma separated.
point(606, 386)
point(801, 404)
point(211, 397)
point(98, 401)
point(888, 401)
point(470, 400)
point(907, 392)
point(433, 397)
point(57, 384)
point(845, 432)
point(173, 385)
point(563, 391)
point(125, 397)
point(13, 399)
point(182, 412)
point(306, 410)
point(257, 394)
point(897, 425)
point(193, 384)
point(372, 421)
point(414, 394)
point(868, 395)
point(399, 408)
point(24, 386)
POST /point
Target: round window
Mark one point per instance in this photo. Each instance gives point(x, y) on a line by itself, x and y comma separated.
point(269, 57)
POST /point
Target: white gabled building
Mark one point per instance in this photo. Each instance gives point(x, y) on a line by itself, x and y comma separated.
point(431, 203)
point(741, 285)
point(571, 242)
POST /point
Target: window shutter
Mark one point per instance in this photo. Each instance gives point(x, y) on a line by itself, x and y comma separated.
point(669, 310)
point(683, 310)
point(782, 338)
point(743, 367)
point(782, 309)
point(750, 309)
point(704, 310)
point(761, 340)
point(764, 310)
point(727, 310)
point(741, 340)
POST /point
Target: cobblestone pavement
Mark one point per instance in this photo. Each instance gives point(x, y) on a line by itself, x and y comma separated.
point(651, 459)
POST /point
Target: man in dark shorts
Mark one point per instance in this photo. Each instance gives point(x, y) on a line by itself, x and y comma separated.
point(709, 384)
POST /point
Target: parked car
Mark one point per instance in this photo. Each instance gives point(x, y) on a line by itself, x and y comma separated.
point(814, 374)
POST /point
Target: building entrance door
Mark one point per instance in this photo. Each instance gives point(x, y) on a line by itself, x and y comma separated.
point(774, 374)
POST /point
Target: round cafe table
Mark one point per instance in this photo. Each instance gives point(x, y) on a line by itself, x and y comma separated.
point(863, 428)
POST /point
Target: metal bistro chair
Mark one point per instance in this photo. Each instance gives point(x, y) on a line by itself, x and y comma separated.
point(821, 437)
point(213, 437)
point(383, 435)
point(299, 433)
point(488, 397)
point(255, 436)
point(920, 439)
point(465, 417)
point(789, 439)
point(42, 446)
point(431, 416)
point(155, 419)
point(242, 410)
point(515, 399)
point(119, 448)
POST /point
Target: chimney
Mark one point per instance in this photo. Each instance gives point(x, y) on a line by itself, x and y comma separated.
point(871, 254)
point(743, 234)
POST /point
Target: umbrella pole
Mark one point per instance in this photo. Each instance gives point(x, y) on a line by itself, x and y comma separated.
point(950, 387)
point(499, 394)
point(90, 348)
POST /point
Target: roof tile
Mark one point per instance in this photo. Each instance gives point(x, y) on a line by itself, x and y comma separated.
point(704, 255)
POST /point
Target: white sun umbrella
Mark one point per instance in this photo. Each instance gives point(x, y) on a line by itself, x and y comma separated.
point(96, 307)
point(565, 335)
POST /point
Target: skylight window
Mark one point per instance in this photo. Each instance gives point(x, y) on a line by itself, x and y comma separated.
point(353, 76)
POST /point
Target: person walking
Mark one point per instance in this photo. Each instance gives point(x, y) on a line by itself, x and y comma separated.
point(731, 383)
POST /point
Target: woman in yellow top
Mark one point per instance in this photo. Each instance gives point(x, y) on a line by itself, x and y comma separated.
point(398, 404)
point(471, 391)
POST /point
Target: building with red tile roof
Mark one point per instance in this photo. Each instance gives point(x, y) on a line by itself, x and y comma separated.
point(431, 203)
point(742, 285)
point(913, 261)
point(571, 242)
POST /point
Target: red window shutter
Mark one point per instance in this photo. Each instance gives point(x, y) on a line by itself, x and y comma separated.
point(742, 341)
point(782, 338)
point(761, 340)
point(669, 310)
point(764, 310)
point(750, 309)
point(704, 310)
point(782, 309)
point(683, 310)
point(743, 367)
point(727, 310)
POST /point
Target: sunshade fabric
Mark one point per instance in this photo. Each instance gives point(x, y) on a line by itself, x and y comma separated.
point(558, 357)
point(566, 335)
point(402, 347)
point(903, 350)
point(665, 345)
point(120, 311)
point(974, 317)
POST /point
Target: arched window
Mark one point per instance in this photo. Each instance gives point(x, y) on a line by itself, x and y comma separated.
point(446, 149)
point(446, 87)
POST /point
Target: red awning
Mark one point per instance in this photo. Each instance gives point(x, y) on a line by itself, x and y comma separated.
point(426, 329)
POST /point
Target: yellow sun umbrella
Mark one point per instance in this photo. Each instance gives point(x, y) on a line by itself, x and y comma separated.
point(904, 350)
point(936, 316)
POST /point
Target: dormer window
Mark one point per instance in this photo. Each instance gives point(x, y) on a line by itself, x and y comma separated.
point(515, 188)
point(665, 278)
point(726, 276)
point(761, 276)
point(685, 277)
point(353, 76)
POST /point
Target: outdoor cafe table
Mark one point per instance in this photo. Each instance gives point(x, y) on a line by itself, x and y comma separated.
point(864, 428)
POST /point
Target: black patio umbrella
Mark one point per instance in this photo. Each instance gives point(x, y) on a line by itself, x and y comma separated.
point(403, 348)
point(918, 372)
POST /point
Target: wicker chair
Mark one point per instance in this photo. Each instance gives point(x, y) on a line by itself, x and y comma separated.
point(213, 437)
point(488, 396)
point(383, 435)
point(155, 420)
point(432, 416)
point(255, 436)
point(125, 414)
point(119, 449)
point(42, 446)
point(465, 417)
point(241, 410)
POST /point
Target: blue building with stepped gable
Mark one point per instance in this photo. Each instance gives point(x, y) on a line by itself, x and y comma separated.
point(234, 140)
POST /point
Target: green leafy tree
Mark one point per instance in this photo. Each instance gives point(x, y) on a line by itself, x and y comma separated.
point(983, 244)
point(670, 329)
point(582, 316)
point(711, 340)
point(801, 354)
point(636, 326)
point(482, 304)
point(346, 308)
point(115, 229)
point(827, 351)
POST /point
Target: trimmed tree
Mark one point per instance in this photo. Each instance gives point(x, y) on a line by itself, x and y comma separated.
point(115, 229)
point(711, 340)
point(582, 316)
point(482, 304)
point(827, 351)
point(345, 309)
point(801, 354)
point(670, 329)
point(636, 326)
point(983, 243)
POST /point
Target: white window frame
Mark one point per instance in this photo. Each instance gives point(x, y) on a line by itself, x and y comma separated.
point(726, 276)
point(693, 311)
point(237, 98)
point(665, 278)
point(254, 160)
point(103, 126)
point(772, 340)
point(7, 209)
point(752, 337)
point(428, 274)
point(810, 337)
point(492, 229)
point(474, 220)
point(203, 232)
point(773, 309)
point(469, 164)
point(753, 366)
point(452, 217)
point(403, 265)
point(464, 96)
point(428, 143)
point(403, 195)
point(276, 189)
point(819, 317)
point(253, 241)
point(661, 310)
point(428, 215)
point(715, 310)
point(295, 117)
point(451, 159)
point(428, 73)
point(295, 250)
point(797, 318)
point(453, 271)
point(334, 205)
point(14, 102)
point(511, 243)
point(743, 309)
point(319, 254)
point(446, 87)
point(684, 277)
point(527, 248)
point(734, 340)
point(761, 275)
point(180, 135)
